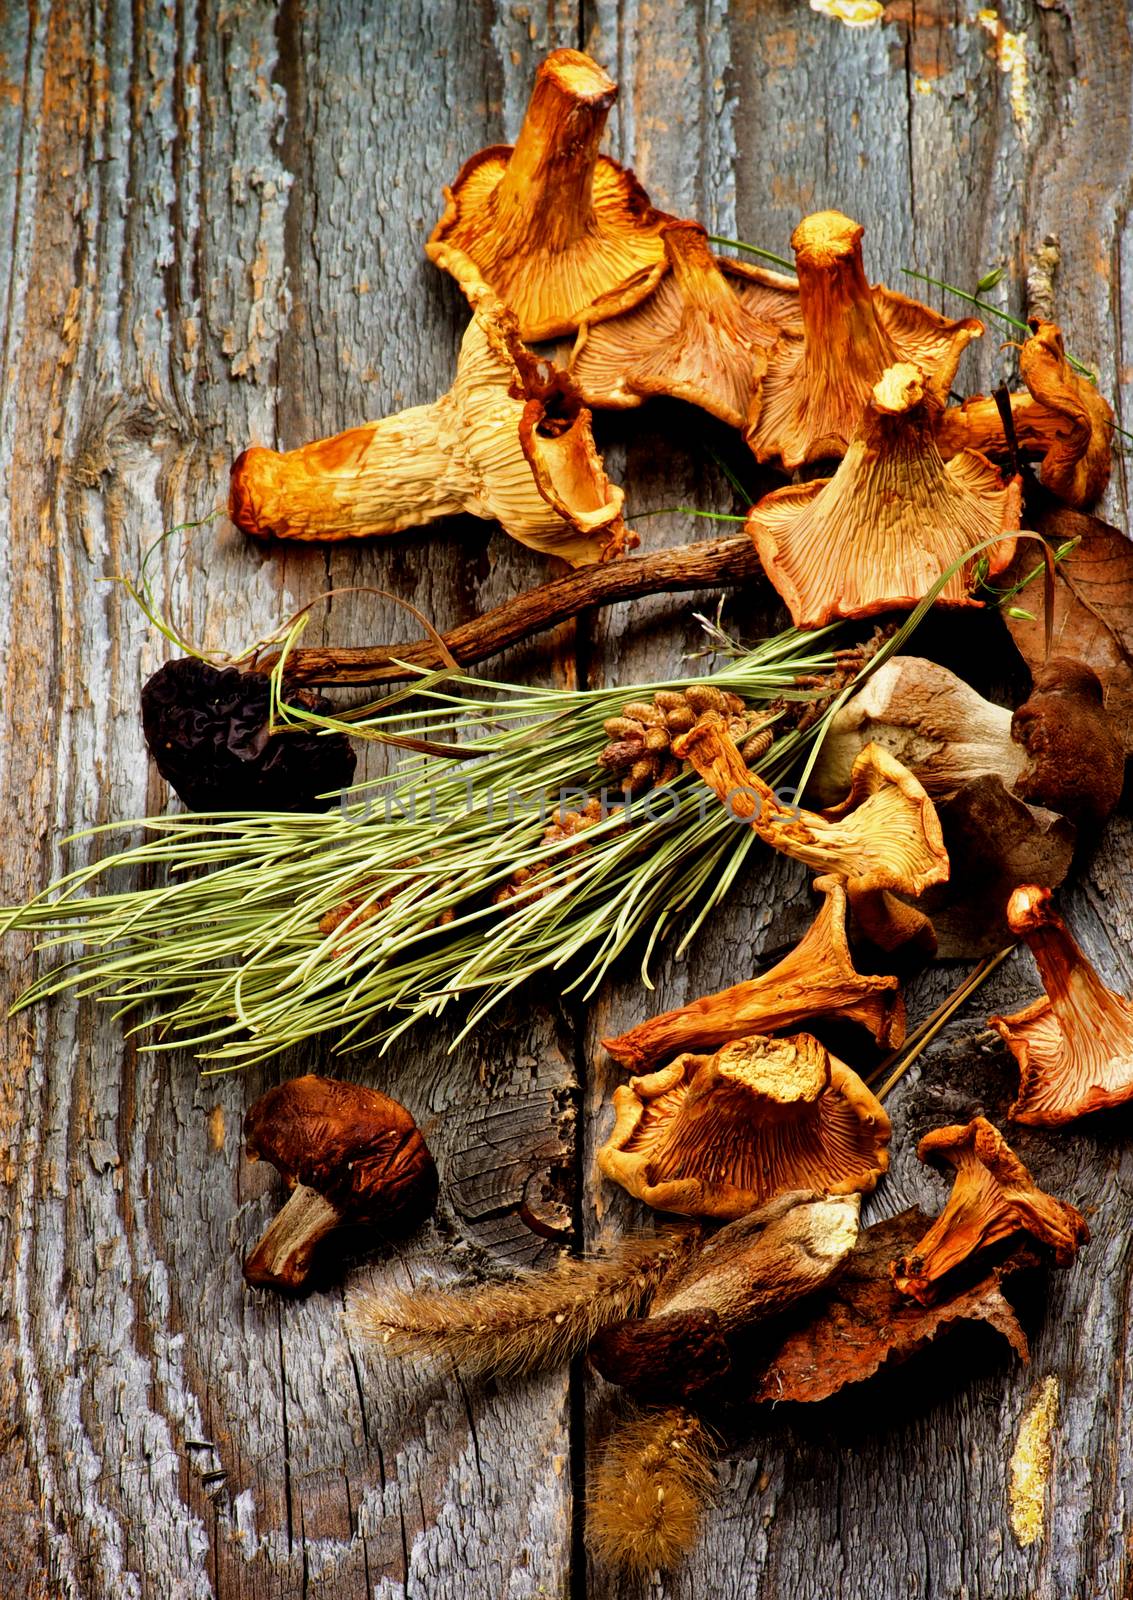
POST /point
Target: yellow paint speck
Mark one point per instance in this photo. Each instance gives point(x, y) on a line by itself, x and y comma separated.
point(922, 86)
point(1011, 58)
point(216, 1128)
point(1030, 1465)
point(853, 13)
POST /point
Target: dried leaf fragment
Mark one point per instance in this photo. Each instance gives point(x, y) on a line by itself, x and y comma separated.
point(861, 1323)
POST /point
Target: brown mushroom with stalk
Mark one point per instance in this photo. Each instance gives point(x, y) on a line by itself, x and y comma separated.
point(1076, 755)
point(1062, 418)
point(993, 1198)
point(816, 979)
point(1074, 1044)
point(703, 335)
point(817, 384)
point(885, 835)
point(929, 720)
point(510, 441)
point(717, 1136)
point(894, 517)
point(755, 1267)
point(349, 1155)
point(549, 223)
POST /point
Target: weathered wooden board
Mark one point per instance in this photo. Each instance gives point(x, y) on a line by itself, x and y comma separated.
point(211, 221)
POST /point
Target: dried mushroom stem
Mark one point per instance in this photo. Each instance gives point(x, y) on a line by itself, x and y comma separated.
point(1074, 1045)
point(885, 834)
point(816, 979)
point(282, 1259)
point(551, 224)
point(508, 442)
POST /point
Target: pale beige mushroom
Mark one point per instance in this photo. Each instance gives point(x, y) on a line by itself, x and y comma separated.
point(550, 224)
point(817, 384)
point(509, 441)
point(816, 979)
point(1074, 1044)
point(717, 1136)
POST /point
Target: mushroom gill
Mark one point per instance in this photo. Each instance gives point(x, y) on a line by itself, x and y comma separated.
point(817, 384)
point(893, 518)
point(816, 979)
point(993, 1197)
point(509, 441)
point(549, 223)
point(1074, 1045)
point(717, 1136)
point(703, 335)
point(884, 835)
point(1062, 418)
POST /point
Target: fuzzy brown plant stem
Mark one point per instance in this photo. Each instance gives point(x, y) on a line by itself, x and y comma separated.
point(706, 564)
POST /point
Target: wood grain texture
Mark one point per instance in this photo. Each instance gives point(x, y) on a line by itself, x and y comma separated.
point(211, 220)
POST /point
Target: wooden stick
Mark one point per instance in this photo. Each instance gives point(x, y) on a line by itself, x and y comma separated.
point(707, 564)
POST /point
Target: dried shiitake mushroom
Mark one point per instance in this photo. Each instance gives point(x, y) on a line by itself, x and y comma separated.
point(1074, 1045)
point(717, 1136)
point(550, 224)
point(349, 1155)
point(509, 441)
point(818, 384)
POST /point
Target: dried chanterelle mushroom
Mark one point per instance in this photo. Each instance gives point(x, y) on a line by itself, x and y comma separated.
point(550, 224)
point(817, 385)
point(1074, 1045)
point(1063, 418)
point(993, 1197)
point(350, 1155)
point(509, 441)
point(816, 979)
point(717, 1136)
point(884, 835)
point(703, 335)
point(894, 517)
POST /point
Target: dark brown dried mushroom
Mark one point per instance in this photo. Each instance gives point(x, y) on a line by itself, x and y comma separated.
point(349, 1155)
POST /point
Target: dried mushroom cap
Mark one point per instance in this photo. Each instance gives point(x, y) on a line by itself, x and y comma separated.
point(1074, 748)
point(349, 1155)
point(509, 441)
point(1074, 1045)
point(929, 720)
point(893, 518)
point(550, 224)
point(817, 385)
point(701, 336)
point(993, 1197)
point(884, 835)
point(1062, 418)
point(717, 1136)
point(816, 979)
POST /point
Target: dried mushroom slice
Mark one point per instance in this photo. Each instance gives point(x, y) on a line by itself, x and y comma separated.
point(1074, 1045)
point(884, 835)
point(817, 384)
point(1062, 418)
point(717, 1136)
point(509, 441)
point(698, 337)
point(893, 518)
point(550, 224)
point(817, 979)
point(993, 1197)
